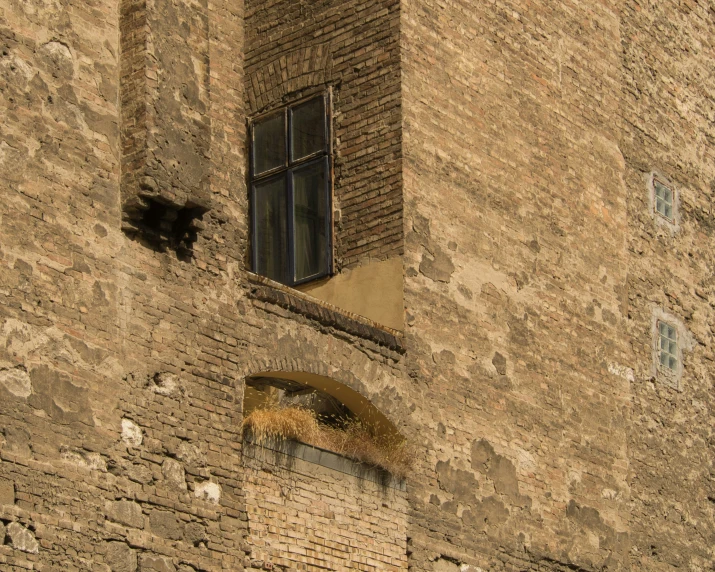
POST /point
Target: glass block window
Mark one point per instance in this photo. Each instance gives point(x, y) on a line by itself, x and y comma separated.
point(663, 199)
point(291, 193)
point(667, 346)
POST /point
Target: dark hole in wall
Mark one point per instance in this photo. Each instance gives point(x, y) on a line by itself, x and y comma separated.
point(162, 226)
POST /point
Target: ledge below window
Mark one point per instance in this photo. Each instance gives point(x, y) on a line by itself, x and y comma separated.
point(266, 290)
point(282, 452)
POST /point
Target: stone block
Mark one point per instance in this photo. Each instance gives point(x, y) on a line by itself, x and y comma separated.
point(174, 474)
point(195, 533)
point(7, 491)
point(20, 538)
point(166, 524)
point(120, 557)
point(17, 381)
point(132, 434)
point(153, 563)
point(127, 512)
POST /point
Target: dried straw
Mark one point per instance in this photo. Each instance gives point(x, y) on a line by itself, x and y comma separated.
point(354, 440)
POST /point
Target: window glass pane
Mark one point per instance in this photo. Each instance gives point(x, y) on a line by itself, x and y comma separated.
point(271, 232)
point(663, 199)
point(308, 128)
point(311, 216)
point(662, 208)
point(269, 149)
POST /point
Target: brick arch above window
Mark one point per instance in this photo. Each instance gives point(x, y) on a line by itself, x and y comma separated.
point(361, 396)
point(298, 70)
point(292, 381)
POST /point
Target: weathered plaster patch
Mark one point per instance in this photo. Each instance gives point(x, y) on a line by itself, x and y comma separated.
point(21, 538)
point(208, 491)
point(621, 371)
point(131, 433)
point(17, 381)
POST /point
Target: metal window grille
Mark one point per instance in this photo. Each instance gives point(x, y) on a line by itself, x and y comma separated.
point(291, 222)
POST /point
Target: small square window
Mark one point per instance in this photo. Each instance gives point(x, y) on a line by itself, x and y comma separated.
point(667, 347)
point(291, 224)
point(663, 199)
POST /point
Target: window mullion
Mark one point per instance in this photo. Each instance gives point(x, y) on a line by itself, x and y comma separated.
point(291, 226)
point(254, 230)
point(289, 201)
point(328, 216)
point(304, 239)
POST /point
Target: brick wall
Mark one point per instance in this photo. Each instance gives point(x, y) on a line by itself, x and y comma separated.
point(310, 515)
point(299, 48)
point(120, 430)
point(516, 271)
point(165, 118)
point(533, 270)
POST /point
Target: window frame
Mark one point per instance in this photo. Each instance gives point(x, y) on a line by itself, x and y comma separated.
point(662, 374)
point(672, 224)
point(657, 180)
point(661, 351)
point(288, 170)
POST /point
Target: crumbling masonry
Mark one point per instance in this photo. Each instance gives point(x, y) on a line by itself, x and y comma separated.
point(521, 284)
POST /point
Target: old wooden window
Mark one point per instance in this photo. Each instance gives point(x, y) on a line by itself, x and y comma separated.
point(291, 223)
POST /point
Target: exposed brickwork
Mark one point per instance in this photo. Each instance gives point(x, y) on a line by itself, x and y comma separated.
point(266, 290)
point(295, 48)
point(165, 119)
point(516, 140)
point(302, 515)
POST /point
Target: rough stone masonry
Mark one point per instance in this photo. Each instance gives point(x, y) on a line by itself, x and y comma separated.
point(504, 156)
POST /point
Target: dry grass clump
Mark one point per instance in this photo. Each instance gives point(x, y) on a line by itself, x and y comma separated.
point(353, 440)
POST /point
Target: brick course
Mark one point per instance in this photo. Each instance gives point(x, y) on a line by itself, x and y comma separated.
point(502, 149)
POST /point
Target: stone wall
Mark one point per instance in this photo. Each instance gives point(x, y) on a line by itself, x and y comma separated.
point(668, 128)
point(120, 435)
point(516, 273)
point(520, 138)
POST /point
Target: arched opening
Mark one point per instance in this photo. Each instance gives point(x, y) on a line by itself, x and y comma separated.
point(320, 411)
